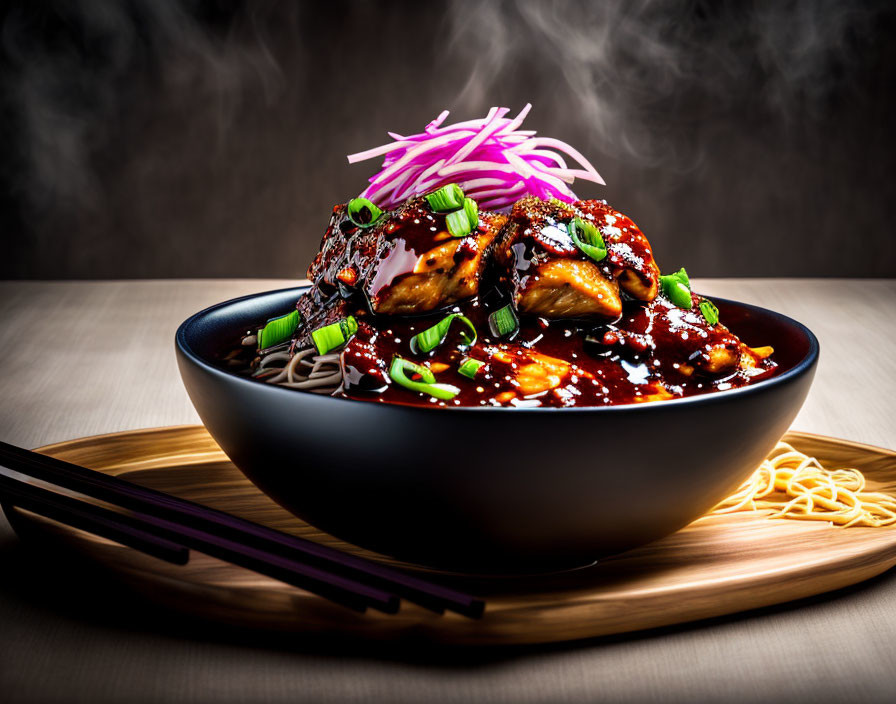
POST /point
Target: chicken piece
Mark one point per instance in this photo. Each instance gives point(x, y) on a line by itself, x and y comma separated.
point(752, 357)
point(542, 373)
point(318, 308)
point(546, 273)
point(637, 285)
point(719, 359)
point(407, 262)
point(629, 257)
point(680, 340)
point(447, 273)
point(569, 288)
point(530, 372)
point(333, 255)
point(657, 393)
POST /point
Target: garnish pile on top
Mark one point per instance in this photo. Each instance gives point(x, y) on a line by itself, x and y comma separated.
point(492, 159)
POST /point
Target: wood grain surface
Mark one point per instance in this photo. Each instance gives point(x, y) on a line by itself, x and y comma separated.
point(718, 565)
point(84, 358)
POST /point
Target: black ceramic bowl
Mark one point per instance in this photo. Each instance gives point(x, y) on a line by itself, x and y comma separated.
point(492, 489)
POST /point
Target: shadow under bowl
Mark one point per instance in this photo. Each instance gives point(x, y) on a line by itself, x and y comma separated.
point(492, 489)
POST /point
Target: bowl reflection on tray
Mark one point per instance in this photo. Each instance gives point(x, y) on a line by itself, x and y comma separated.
point(492, 489)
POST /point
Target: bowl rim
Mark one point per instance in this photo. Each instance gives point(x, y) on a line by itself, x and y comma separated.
point(797, 370)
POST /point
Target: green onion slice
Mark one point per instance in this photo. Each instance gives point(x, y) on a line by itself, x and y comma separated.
point(398, 373)
point(429, 339)
point(363, 213)
point(469, 367)
point(677, 288)
point(709, 310)
point(458, 223)
point(503, 322)
point(446, 199)
point(278, 330)
point(329, 337)
point(587, 238)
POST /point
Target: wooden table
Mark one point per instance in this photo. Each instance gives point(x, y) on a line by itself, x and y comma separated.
point(85, 358)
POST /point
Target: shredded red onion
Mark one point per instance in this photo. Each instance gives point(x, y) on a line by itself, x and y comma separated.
point(491, 159)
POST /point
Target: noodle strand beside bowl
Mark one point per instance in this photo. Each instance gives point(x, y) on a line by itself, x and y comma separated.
point(794, 485)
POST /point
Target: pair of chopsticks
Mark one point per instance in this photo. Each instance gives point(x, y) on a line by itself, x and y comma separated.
point(167, 527)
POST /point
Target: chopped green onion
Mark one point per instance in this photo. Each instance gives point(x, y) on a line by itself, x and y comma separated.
point(397, 372)
point(503, 322)
point(363, 213)
point(587, 238)
point(470, 367)
point(679, 294)
point(278, 330)
point(429, 339)
point(458, 223)
point(446, 199)
point(677, 288)
point(329, 337)
point(709, 310)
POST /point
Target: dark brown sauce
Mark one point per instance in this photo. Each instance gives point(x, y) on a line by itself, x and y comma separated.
point(653, 352)
point(649, 354)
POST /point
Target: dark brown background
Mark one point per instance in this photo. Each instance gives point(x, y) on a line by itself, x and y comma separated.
point(196, 139)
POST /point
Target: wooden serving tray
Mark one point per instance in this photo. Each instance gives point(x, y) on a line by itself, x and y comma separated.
point(717, 565)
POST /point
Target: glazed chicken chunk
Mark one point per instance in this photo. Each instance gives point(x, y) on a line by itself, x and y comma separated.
point(629, 258)
point(408, 262)
point(546, 274)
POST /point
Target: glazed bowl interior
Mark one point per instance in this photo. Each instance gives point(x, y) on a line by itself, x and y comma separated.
point(492, 489)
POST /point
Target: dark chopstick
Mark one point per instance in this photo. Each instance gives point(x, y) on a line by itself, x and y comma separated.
point(95, 519)
point(166, 513)
point(153, 536)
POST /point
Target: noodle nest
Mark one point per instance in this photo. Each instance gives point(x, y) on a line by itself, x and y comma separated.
point(794, 485)
point(306, 370)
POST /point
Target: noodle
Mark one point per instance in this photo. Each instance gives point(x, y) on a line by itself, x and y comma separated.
point(796, 486)
point(318, 373)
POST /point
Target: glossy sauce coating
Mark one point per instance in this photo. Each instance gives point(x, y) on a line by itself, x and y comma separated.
point(537, 234)
point(408, 260)
point(627, 247)
point(650, 354)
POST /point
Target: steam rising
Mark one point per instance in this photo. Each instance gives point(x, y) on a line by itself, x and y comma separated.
point(76, 70)
point(625, 68)
point(207, 137)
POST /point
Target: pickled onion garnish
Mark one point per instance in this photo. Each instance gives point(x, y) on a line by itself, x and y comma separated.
point(491, 159)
